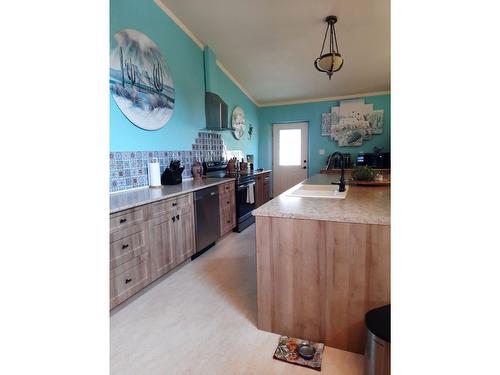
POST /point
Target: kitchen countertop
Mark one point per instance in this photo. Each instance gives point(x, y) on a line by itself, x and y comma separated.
point(363, 204)
point(133, 198)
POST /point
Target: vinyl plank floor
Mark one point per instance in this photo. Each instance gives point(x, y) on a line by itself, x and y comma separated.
point(201, 319)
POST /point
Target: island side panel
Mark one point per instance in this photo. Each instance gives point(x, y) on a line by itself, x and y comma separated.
point(317, 279)
point(264, 265)
point(291, 282)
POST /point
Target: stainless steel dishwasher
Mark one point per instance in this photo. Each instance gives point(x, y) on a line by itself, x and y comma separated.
point(206, 212)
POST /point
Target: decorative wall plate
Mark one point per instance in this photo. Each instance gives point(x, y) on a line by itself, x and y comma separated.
point(140, 81)
point(238, 122)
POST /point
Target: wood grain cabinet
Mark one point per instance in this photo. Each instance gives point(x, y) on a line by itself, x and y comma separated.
point(148, 241)
point(128, 254)
point(262, 188)
point(227, 207)
point(171, 233)
point(129, 278)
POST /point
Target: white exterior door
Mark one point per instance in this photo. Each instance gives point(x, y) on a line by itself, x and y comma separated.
point(289, 155)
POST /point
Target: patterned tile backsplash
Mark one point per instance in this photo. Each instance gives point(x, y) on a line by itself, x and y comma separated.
point(129, 169)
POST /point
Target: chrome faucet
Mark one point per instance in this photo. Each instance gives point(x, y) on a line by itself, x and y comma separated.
point(341, 182)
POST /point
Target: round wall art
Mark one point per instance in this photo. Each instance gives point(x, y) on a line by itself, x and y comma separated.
point(140, 81)
point(238, 122)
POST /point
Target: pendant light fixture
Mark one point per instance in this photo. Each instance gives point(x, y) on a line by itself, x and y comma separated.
point(332, 61)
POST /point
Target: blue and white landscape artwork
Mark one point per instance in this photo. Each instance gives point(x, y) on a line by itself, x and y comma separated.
point(140, 81)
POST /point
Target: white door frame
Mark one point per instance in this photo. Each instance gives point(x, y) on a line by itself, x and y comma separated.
point(305, 155)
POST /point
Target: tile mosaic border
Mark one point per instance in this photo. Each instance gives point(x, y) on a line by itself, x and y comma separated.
point(129, 169)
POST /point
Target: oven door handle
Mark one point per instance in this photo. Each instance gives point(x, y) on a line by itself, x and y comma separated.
point(244, 186)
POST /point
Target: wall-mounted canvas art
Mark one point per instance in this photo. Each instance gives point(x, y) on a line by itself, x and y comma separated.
point(376, 120)
point(140, 81)
point(326, 124)
point(356, 122)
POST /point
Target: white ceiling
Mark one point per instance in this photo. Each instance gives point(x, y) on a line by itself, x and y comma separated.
point(269, 46)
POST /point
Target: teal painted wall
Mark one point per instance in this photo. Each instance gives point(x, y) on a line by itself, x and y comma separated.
point(186, 63)
point(311, 112)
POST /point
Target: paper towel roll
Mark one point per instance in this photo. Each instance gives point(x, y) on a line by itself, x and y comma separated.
point(154, 173)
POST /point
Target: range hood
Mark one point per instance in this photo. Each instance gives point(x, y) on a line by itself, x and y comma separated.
point(215, 112)
point(215, 108)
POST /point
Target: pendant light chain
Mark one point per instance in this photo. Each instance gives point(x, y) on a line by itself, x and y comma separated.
point(324, 40)
point(332, 51)
point(335, 37)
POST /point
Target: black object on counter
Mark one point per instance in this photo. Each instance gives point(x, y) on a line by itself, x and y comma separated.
point(341, 182)
point(375, 160)
point(173, 174)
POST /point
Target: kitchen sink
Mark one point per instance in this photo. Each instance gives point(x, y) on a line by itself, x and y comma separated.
point(319, 191)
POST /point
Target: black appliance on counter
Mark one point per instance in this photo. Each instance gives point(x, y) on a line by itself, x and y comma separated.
point(173, 174)
point(245, 181)
point(380, 160)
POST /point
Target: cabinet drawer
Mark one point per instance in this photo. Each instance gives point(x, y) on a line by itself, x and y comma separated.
point(127, 244)
point(227, 219)
point(226, 199)
point(128, 278)
point(125, 219)
point(226, 187)
point(169, 205)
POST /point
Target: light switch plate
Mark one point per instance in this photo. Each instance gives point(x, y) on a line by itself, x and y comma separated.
point(321, 151)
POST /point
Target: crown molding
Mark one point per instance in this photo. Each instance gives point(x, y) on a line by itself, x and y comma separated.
point(324, 99)
point(235, 81)
point(200, 44)
point(179, 23)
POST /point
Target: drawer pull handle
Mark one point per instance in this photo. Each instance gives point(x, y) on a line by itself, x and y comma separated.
point(227, 202)
point(127, 281)
point(227, 187)
point(173, 219)
point(124, 246)
point(174, 204)
point(122, 221)
point(228, 221)
point(177, 217)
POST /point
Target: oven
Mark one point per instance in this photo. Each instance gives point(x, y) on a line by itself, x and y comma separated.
point(245, 202)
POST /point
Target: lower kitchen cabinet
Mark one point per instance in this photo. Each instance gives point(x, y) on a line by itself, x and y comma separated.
point(183, 235)
point(147, 242)
point(161, 233)
point(128, 278)
point(227, 207)
point(172, 236)
point(262, 188)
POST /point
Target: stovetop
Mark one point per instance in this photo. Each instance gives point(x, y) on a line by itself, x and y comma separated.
point(240, 176)
point(218, 169)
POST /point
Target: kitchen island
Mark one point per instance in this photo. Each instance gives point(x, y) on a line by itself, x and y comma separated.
point(322, 263)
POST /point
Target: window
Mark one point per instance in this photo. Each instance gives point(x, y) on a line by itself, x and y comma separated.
point(290, 147)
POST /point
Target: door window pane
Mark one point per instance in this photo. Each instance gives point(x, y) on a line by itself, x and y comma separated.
point(290, 147)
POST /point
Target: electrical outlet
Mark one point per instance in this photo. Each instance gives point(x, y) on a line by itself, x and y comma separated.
point(321, 151)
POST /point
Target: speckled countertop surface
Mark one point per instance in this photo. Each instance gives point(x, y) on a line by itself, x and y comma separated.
point(133, 198)
point(363, 204)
